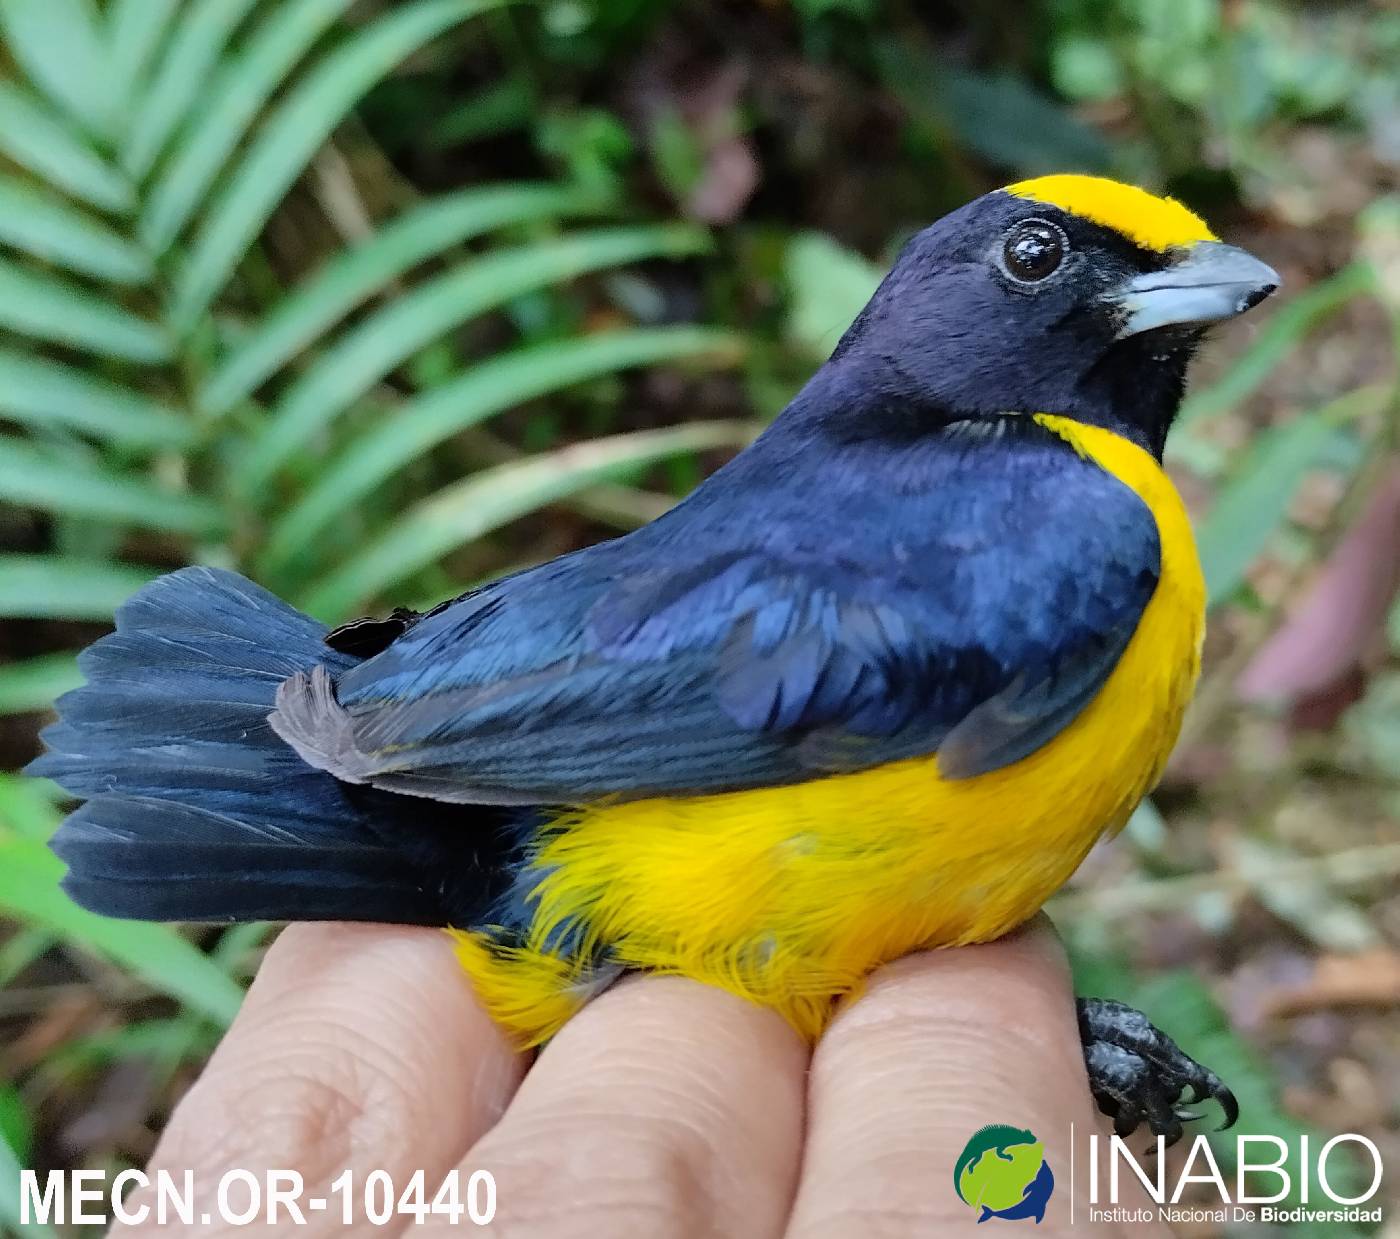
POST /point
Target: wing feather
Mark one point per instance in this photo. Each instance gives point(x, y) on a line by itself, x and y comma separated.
point(974, 617)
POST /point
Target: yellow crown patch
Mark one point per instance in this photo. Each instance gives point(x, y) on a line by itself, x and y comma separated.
point(1154, 223)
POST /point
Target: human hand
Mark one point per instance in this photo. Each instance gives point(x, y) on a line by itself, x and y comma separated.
point(665, 1108)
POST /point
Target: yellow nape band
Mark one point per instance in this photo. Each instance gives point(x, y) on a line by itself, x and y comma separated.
point(1154, 223)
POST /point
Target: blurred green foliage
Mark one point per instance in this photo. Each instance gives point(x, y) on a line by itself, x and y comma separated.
point(372, 301)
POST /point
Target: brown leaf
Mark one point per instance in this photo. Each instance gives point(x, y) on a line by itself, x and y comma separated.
point(1313, 661)
point(1367, 979)
point(727, 183)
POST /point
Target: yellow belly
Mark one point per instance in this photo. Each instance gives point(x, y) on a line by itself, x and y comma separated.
point(790, 895)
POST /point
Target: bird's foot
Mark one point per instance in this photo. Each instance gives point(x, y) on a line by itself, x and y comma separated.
point(1138, 1074)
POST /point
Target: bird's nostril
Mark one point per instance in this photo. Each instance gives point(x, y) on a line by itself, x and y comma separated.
point(1256, 295)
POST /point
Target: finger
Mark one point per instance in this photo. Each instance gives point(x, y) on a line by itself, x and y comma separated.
point(941, 1045)
point(664, 1108)
point(358, 1047)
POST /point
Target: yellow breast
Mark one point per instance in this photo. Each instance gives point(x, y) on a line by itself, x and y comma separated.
point(790, 895)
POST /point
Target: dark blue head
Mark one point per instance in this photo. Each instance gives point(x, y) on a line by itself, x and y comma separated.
point(1068, 294)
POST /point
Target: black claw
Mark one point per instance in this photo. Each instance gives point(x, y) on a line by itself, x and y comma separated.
point(1227, 1103)
point(1137, 1073)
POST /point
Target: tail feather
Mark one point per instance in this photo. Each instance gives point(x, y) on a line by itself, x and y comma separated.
point(148, 858)
point(196, 810)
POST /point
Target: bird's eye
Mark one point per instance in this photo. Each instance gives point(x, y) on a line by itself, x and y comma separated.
point(1034, 250)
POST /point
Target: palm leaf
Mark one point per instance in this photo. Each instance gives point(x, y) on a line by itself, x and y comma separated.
point(193, 51)
point(46, 308)
point(484, 502)
point(135, 29)
point(35, 683)
point(59, 587)
point(386, 338)
point(352, 277)
point(292, 134)
point(54, 232)
point(240, 90)
point(29, 476)
point(489, 388)
point(56, 43)
point(36, 139)
point(39, 392)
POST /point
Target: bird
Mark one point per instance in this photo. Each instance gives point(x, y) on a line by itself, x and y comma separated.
point(877, 685)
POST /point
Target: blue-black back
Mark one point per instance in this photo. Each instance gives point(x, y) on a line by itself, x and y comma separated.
point(807, 611)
